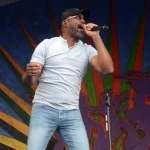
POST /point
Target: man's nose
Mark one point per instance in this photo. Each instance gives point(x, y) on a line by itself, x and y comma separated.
point(83, 21)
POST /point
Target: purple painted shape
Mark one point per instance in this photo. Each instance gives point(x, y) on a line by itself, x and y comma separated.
point(140, 113)
point(102, 142)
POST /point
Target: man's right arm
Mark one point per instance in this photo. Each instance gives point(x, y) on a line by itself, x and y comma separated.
point(32, 73)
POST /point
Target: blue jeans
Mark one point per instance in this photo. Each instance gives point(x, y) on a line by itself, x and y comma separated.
point(46, 120)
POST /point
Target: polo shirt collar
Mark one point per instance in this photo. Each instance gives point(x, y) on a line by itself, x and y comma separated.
point(62, 39)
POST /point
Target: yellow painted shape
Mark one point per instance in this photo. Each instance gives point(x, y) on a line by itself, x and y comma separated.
point(26, 107)
point(13, 143)
point(15, 123)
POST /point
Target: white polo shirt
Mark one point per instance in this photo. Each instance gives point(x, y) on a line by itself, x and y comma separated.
point(64, 68)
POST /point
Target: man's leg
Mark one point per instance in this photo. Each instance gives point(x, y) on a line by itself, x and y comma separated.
point(72, 130)
point(43, 123)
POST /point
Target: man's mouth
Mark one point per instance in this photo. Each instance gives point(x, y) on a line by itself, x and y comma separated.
point(80, 27)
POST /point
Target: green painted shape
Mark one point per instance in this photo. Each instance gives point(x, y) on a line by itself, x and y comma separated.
point(141, 134)
point(91, 88)
point(122, 114)
point(118, 144)
point(134, 125)
point(92, 141)
point(97, 117)
point(132, 56)
point(107, 82)
point(124, 103)
point(125, 87)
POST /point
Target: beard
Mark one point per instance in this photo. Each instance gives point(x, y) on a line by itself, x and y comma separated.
point(75, 32)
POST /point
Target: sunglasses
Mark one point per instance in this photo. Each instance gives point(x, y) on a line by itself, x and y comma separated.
point(79, 17)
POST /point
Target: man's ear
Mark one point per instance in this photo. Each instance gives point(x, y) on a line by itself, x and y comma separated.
point(65, 23)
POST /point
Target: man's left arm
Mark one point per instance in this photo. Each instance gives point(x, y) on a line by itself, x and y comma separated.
point(103, 61)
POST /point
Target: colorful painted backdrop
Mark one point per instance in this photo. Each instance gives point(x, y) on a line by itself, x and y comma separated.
point(26, 23)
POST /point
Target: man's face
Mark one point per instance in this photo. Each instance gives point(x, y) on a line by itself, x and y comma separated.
point(73, 26)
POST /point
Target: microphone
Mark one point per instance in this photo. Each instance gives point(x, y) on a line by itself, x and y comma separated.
point(96, 28)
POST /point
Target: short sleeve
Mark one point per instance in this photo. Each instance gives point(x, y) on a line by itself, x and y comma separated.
point(40, 52)
point(91, 52)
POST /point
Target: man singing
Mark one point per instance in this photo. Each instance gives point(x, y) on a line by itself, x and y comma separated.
point(60, 64)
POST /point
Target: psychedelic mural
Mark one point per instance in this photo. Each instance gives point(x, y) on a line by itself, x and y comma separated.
point(25, 24)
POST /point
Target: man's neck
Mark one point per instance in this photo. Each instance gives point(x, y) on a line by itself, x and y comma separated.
point(70, 40)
